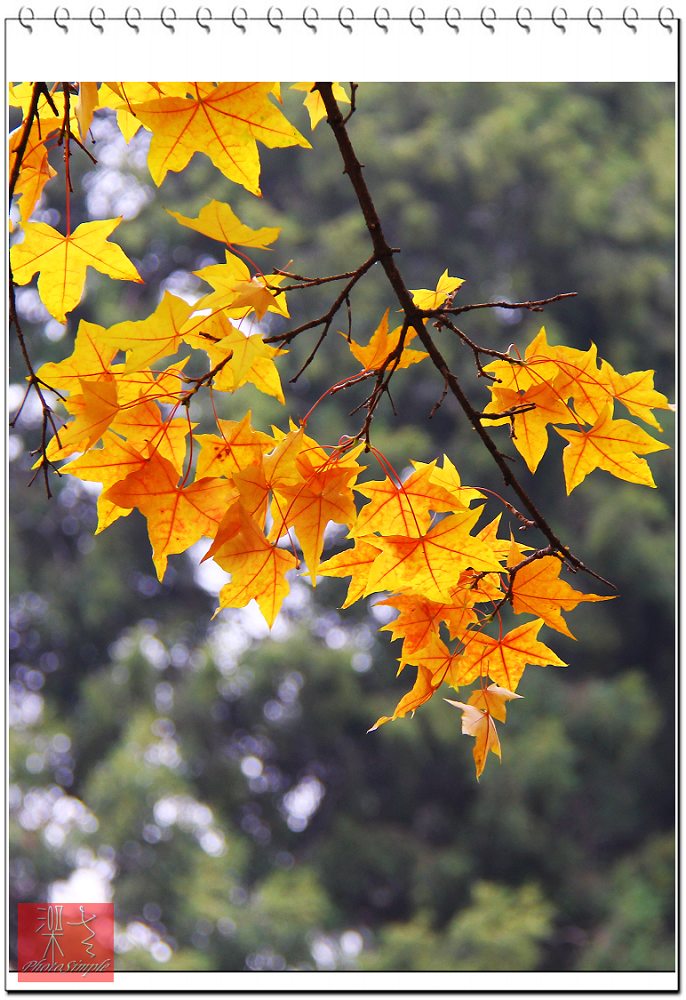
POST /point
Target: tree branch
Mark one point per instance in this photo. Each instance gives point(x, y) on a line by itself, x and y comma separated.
point(415, 318)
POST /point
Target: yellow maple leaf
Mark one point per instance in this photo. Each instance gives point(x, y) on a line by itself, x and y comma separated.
point(63, 260)
point(35, 169)
point(86, 103)
point(611, 445)
point(531, 426)
point(224, 122)
point(237, 293)
point(161, 387)
point(636, 391)
point(123, 96)
point(382, 345)
point(428, 298)
point(218, 221)
point(314, 103)
point(90, 360)
point(244, 358)
point(156, 336)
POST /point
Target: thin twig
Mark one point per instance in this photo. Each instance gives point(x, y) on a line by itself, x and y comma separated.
point(533, 305)
point(326, 319)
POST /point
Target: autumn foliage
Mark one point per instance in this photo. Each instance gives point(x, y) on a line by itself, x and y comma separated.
point(118, 410)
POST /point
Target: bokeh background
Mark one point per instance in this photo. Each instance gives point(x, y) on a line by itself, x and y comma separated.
point(216, 780)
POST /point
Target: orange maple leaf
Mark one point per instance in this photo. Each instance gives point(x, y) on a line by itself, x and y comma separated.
point(107, 465)
point(258, 569)
point(95, 410)
point(505, 659)
point(355, 563)
point(406, 508)
point(422, 690)
point(177, 516)
point(538, 590)
point(142, 424)
point(419, 620)
point(429, 565)
point(63, 260)
point(236, 447)
point(571, 373)
point(531, 426)
point(323, 494)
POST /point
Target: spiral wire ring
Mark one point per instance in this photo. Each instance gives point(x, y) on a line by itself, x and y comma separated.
point(346, 18)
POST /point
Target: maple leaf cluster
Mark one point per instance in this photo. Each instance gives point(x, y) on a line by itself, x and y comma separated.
point(265, 499)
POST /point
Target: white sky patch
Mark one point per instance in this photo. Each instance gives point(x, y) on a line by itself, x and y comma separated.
point(25, 707)
point(192, 816)
point(185, 286)
point(55, 815)
point(154, 652)
point(302, 801)
point(111, 189)
point(32, 412)
point(252, 767)
point(139, 935)
point(91, 884)
point(30, 305)
point(383, 613)
point(207, 575)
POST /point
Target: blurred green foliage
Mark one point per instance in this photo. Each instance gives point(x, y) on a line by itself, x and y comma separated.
point(219, 782)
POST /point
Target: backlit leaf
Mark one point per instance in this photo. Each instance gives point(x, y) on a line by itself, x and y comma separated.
point(62, 261)
point(611, 445)
point(224, 122)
